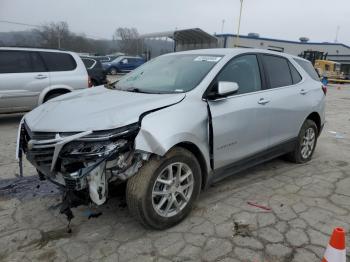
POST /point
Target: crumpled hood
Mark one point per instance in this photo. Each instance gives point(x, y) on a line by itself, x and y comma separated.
point(95, 109)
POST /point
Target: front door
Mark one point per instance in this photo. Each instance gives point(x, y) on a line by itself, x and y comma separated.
point(240, 122)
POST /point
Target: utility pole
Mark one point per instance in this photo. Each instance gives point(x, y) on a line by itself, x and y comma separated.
point(239, 24)
point(222, 26)
point(337, 34)
point(59, 39)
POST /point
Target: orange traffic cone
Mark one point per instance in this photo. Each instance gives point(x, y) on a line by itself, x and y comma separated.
point(335, 251)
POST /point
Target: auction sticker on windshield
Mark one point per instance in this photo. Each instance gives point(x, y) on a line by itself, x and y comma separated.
point(213, 59)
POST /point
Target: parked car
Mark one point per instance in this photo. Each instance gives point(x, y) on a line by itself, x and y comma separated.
point(95, 71)
point(122, 64)
point(174, 126)
point(31, 76)
point(107, 58)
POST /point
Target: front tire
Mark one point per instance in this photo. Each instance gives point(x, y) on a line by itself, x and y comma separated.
point(113, 71)
point(306, 143)
point(164, 190)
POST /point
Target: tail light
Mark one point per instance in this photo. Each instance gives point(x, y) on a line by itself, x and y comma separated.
point(89, 82)
point(324, 89)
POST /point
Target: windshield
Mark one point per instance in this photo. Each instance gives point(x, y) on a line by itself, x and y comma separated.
point(169, 74)
point(117, 59)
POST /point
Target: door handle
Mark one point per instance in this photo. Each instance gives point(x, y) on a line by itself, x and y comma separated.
point(263, 101)
point(40, 76)
point(303, 92)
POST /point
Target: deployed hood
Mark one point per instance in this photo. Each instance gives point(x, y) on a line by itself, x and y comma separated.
point(95, 109)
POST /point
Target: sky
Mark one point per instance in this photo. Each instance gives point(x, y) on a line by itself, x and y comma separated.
point(282, 19)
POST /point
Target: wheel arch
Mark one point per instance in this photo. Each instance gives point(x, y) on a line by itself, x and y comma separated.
point(314, 116)
point(199, 156)
point(52, 90)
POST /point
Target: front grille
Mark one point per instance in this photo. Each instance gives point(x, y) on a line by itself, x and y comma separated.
point(40, 156)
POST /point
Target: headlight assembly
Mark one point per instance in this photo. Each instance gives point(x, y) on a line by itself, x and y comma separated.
point(78, 149)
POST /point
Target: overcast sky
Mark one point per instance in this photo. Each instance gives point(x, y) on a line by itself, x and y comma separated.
point(283, 19)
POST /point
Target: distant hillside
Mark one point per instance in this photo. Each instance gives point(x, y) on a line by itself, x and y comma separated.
point(20, 38)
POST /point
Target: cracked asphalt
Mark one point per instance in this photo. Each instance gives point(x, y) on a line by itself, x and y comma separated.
point(295, 208)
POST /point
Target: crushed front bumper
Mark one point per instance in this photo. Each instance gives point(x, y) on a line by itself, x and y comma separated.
point(65, 160)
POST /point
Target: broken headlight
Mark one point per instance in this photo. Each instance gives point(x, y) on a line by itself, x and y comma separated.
point(91, 149)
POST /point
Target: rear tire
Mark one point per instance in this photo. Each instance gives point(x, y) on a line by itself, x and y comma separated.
point(306, 143)
point(153, 202)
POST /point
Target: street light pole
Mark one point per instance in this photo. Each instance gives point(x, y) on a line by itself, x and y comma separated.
point(239, 23)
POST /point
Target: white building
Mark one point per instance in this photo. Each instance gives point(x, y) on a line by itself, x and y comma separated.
point(336, 51)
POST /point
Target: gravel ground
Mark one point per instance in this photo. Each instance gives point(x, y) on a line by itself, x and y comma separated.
point(307, 201)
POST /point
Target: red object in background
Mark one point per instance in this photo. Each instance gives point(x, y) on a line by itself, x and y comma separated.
point(324, 89)
point(89, 82)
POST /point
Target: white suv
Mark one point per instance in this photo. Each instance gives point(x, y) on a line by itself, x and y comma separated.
point(31, 76)
point(174, 126)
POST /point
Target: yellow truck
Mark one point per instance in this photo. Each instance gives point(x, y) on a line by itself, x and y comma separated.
point(331, 70)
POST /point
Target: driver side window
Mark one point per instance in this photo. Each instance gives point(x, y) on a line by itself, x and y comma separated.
point(244, 70)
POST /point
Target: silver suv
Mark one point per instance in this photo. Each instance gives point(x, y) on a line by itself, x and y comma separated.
point(174, 126)
point(31, 76)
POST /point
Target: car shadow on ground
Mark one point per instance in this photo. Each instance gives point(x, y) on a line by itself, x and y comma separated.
point(9, 119)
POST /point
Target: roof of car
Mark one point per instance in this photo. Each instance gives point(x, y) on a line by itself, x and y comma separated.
point(233, 51)
point(34, 49)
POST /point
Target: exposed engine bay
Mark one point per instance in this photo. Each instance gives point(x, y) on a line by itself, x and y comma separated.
point(82, 164)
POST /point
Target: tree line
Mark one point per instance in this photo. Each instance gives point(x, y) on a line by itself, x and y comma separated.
point(57, 35)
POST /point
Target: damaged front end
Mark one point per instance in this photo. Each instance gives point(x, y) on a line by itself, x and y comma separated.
point(84, 163)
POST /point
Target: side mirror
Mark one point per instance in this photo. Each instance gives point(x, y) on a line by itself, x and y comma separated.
point(227, 88)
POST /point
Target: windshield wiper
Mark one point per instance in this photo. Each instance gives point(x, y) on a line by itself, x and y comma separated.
point(135, 90)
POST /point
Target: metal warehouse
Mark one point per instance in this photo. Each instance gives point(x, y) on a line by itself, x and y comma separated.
point(337, 52)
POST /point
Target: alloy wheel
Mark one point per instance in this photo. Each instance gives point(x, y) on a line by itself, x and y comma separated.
point(308, 143)
point(172, 189)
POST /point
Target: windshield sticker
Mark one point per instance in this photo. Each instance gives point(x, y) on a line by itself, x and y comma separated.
point(213, 59)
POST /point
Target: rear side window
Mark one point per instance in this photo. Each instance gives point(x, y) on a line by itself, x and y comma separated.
point(307, 66)
point(295, 74)
point(88, 62)
point(278, 71)
point(58, 61)
point(15, 62)
point(244, 70)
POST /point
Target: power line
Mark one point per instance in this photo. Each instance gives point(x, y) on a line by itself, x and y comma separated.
point(18, 23)
point(40, 26)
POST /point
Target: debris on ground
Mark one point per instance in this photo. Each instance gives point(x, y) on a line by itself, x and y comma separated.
point(337, 135)
point(90, 214)
point(240, 228)
point(26, 187)
point(259, 206)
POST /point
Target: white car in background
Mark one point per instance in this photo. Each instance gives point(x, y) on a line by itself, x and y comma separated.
point(31, 76)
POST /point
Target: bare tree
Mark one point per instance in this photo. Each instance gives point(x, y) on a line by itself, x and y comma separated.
point(129, 40)
point(54, 35)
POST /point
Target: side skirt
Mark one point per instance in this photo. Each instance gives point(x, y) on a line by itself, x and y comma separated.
point(253, 160)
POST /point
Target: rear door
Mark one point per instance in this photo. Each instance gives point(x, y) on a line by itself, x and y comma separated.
point(287, 94)
point(64, 71)
point(240, 122)
point(22, 77)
